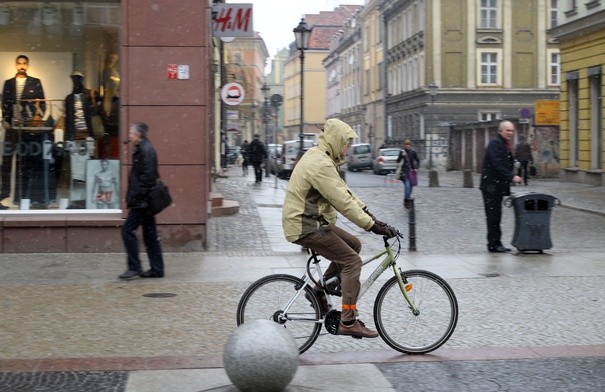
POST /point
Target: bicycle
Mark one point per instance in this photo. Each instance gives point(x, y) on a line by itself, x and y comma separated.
point(415, 311)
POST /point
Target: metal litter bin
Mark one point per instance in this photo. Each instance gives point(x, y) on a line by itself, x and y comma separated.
point(532, 220)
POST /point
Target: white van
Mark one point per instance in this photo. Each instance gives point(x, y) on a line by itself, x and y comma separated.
point(289, 155)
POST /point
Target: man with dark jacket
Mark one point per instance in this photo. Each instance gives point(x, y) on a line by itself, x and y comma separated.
point(257, 153)
point(496, 176)
point(143, 176)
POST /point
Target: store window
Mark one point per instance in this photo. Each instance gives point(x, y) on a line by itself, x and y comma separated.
point(60, 72)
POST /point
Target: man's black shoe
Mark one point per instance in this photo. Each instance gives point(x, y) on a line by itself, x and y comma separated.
point(129, 275)
point(151, 274)
point(499, 249)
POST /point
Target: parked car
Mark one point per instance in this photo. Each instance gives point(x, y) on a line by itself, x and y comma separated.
point(233, 154)
point(359, 157)
point(289, 156)
point(274, 157)
point(386, 160)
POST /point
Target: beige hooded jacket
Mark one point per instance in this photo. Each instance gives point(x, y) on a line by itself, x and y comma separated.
point(316, 192)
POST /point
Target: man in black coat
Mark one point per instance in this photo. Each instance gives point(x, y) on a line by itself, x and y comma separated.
point(496, 176)
point(143, 176)
point(18, 106)
point(257, 153)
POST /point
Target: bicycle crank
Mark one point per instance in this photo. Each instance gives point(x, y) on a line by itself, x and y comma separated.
point(332, 320)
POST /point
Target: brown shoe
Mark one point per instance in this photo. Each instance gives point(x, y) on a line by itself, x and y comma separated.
point(357, 329)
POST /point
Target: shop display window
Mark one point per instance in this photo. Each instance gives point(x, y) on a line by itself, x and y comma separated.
point(59, 133)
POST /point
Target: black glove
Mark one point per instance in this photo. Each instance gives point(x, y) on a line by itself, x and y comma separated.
point(383, 229)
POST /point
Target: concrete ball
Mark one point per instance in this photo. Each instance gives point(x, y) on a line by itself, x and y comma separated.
point(260, 356)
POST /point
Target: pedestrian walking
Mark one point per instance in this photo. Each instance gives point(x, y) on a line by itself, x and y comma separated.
point(407, 163)
point(257, 153)
point(496, 176)
point(143, 176)
point(525, 158)
point(245, 157)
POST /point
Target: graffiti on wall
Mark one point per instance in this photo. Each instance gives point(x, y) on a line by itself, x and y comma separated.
point(544, 143)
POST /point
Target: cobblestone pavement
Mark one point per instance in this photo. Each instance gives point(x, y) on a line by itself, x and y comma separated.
point(449, 219)
point(69, 313)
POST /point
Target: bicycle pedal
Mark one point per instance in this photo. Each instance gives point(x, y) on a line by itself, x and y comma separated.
point(356, 337)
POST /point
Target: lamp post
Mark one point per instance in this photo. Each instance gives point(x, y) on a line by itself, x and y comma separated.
point(253, 107)
point(265, 89)
point(433, 176)
point(302, 33)
point(432, 92)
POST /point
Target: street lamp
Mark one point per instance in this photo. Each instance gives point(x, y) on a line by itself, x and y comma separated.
point(432, 92)
point(265, 89)
point(253, 107)
point(302, 33)
point(433, 176)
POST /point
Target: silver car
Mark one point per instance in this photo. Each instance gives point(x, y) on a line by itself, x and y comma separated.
point(359, 157)
point(386, 160)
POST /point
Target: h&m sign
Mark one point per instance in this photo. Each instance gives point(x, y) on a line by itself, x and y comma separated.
point(232, 20)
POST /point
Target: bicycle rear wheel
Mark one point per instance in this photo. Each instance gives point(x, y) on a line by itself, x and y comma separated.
point(267, 299)
point(422, 333)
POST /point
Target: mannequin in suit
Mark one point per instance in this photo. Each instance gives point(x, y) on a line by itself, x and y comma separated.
point(16, 110)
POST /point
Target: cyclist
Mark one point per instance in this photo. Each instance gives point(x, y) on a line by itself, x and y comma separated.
point(315, 194)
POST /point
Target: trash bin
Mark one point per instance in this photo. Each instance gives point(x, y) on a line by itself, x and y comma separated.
point(532, 220)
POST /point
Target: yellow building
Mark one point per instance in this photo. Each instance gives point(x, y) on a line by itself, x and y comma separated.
point(581, 33)
point(324, 25)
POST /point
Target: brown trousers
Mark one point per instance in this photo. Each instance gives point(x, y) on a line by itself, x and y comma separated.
point(342, 249)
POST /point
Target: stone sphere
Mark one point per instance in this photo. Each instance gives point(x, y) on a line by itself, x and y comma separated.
point(260, 356)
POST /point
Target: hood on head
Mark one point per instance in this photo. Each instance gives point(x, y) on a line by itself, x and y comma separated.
point(336, 135)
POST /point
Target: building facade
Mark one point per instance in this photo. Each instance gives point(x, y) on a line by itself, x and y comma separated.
point(244, 63)
point(373, 89)
point(344, 70)
point(580, 30)
point(484, 60)
point(324, 26)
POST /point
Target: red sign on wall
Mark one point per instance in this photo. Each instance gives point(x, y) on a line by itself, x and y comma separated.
point(172, 71)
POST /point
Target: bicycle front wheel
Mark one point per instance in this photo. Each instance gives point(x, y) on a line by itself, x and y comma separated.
point(277, 298)
point(418, 333)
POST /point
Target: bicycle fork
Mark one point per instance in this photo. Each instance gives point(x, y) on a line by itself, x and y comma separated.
point(405, 287)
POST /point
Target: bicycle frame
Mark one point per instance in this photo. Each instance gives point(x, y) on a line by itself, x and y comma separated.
point(285, 298)
point(388, 261)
